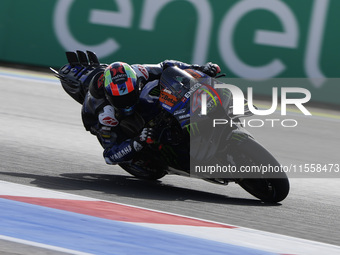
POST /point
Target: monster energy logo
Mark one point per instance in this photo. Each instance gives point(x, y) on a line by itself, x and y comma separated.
point(238, 137)
point(169, 155)
point(226, 92)
point(192, 128)
point(155, 92)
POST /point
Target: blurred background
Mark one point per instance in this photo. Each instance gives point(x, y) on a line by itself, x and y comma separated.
point(253, 40)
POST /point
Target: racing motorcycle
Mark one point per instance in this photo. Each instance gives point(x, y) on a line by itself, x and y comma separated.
point(186, 141)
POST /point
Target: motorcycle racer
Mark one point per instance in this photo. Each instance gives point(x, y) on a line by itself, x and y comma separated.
point(109, 108)
point(111, 111)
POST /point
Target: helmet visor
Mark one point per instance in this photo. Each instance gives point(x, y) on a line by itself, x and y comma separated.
point(124, 101)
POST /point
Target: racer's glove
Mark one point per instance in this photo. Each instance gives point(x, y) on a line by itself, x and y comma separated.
point(210, 69)
point(147, 135)
point(144, 138)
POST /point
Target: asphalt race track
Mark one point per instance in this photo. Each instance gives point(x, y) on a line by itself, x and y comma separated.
point(44, 144)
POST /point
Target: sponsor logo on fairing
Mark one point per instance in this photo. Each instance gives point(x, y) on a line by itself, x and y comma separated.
point(167, 99)
point(166, 107)
point(192, 89)
point(120, 154)
point(137, 146)
point(179, 111)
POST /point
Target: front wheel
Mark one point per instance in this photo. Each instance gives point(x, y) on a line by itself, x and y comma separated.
point(269, 187)
point(268, 190)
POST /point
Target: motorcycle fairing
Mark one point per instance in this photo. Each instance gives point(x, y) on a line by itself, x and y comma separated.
point(181, 93)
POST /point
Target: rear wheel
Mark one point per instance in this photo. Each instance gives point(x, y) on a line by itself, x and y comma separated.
point(270, 187)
